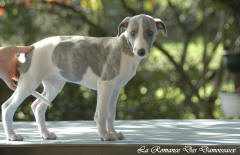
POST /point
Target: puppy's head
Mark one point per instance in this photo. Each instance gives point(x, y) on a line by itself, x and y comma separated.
point(141, 32)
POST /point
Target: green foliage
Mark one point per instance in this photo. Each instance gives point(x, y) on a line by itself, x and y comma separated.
point(158, 90)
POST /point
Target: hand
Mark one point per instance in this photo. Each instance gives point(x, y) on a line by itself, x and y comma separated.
point(9, 62)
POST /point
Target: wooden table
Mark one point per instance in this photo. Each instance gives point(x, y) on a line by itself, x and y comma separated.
point(81, 136)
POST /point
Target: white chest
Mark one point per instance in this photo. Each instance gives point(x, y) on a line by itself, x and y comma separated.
point(128, 69)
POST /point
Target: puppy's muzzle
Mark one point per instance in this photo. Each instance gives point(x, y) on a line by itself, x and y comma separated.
point(141, 52)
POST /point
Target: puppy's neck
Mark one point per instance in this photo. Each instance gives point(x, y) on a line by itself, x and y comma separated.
point(127, 47)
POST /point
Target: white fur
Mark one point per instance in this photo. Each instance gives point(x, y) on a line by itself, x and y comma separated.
point(53, 82)
point(140, 42)
point(108, 92)
point(89, 79)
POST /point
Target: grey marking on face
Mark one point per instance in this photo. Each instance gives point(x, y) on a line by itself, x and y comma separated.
point(149, 31)
point(148, 25)
point(23, 67)
point(102, 55)
point(133, 27)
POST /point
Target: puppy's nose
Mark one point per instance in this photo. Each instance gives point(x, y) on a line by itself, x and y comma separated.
point(141, 52)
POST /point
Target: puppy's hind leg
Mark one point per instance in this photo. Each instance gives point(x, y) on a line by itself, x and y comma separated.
point(51, 88)
point(24, 89)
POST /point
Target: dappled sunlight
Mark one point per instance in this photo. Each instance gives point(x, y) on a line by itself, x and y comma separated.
point(185, 132)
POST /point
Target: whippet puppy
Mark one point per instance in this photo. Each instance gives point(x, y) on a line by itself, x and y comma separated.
point(104, 64)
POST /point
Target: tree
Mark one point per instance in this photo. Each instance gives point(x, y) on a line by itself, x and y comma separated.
point(177, 79)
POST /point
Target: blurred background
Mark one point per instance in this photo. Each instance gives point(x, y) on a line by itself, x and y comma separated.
point(182, 77)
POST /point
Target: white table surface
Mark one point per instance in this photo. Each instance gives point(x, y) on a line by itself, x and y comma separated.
point(183, 132)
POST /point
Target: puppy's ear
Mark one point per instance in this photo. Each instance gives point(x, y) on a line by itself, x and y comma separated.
point(123, 25)
point(161, 26)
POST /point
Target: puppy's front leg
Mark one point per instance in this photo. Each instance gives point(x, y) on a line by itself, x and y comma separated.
point(104, 94)
point(112, 114)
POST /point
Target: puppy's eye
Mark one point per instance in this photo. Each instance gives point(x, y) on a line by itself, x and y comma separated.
point(150, 33)
point(133, 33)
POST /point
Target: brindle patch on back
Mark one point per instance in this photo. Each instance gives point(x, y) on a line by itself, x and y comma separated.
point(63, 59)
point(23, 67)
point(102, 55)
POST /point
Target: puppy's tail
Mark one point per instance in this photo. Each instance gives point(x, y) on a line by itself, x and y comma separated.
point(41, 97)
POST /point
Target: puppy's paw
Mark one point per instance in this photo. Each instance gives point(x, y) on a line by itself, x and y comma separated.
point(109, 136)
point(120, 135)
point(49, 136)
point(15, 137)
